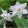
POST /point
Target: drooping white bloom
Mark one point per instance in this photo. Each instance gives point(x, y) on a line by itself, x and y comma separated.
point(6, 15)
point(18, 9)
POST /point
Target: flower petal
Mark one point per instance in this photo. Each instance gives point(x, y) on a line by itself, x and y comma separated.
point(2, 15)
point(9, 17)
point(23, 5)
point(14, 7)
point(20, 16)
point(24, 11)
point(4, 11)
point(11, 8)
point(14, 13)
point(17, 4)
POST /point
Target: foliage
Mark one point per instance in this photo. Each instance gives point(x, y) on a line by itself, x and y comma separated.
point(21, 23)
point(5, 4)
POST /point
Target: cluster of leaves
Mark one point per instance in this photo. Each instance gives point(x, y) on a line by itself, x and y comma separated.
point(21, 23)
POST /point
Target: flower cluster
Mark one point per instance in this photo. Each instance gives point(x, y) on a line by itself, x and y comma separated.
point(6, 15)
point(18, 9)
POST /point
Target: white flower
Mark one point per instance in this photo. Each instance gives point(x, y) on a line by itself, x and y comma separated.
point(6, 15)
point(18, 9)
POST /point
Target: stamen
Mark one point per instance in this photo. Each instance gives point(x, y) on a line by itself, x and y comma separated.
point(19, 10)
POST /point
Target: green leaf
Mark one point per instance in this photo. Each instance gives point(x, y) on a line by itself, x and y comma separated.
point(20, 22)
point(2, 21)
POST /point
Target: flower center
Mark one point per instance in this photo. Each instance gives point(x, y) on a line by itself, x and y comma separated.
point(19, 10)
